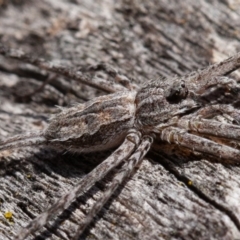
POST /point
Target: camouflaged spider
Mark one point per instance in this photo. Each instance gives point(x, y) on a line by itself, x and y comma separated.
point(178, 110)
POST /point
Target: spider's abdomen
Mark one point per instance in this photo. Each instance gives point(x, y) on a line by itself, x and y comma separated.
point(94, 126)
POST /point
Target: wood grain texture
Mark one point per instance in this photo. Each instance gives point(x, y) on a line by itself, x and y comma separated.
point(179, 196)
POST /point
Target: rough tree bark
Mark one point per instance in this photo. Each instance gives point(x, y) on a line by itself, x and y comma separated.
point(169, 197)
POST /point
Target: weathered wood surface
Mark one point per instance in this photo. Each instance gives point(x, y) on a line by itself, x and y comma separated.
point(169, 197)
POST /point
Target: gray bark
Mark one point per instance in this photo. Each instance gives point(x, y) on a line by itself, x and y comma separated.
point(170, 196)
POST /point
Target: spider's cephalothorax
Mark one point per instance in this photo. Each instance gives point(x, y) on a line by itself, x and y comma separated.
point(179, 111)
point(158, 102)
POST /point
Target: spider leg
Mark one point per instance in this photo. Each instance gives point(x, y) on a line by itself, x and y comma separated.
point(222, 68)
point(40, 88)
point(226, 66)
point(119, 78)
point(200, 79)
point(200, 144)
point(19, 141)
point(122, 174)
point(219, 90)
point(72, 73)
point(210, 127)
point(123, 152)
point(211, 111)
point(226, 111)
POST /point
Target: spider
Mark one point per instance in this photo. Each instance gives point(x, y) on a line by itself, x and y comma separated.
point(177, 110)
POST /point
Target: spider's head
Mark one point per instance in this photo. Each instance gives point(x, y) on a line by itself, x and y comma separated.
point(159, 101)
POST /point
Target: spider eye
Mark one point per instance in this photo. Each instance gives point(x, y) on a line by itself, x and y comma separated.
point(177, 93)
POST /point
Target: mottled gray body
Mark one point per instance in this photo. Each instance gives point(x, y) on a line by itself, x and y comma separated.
point(104, 122)
point(97, 125)
point(178, 110)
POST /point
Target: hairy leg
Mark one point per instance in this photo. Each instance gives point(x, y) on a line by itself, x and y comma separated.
point(123, 152)
point(181, 137)
point(211, 127)
point(50, 78)
point(25, 140)
point(199, 79)
point(72, 73)
point(219, 90)
point(122, 174)
point(119, 78)
point(227, 111)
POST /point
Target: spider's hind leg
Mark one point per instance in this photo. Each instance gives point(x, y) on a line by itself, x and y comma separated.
point(123, 152)
point(119, 78)
point(125, 171)
point(72, 73)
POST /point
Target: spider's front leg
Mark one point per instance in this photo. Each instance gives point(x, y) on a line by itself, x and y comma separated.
point(199, 79)
point(227, 112)
point(125, 171)
point(183, 138)
point(123, 152)
point(211, 127)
